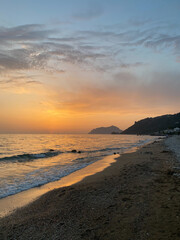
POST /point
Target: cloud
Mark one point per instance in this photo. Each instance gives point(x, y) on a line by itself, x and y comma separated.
point(10, 62)
point(95, 71)
point(23, 59)
point(67, 39)
point(30, 47)
point(17, 51)
point(130, 65)
point(163, 41)
point(124, 92)
point(20, 84)
point(161, 37)
point(31, 32)
point(14, 79)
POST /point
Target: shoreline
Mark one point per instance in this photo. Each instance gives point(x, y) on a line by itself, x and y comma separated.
point(14, 202)
point(127, 200)
point(11, 203)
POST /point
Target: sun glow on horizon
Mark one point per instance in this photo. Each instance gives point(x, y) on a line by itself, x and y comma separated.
point(82, 71)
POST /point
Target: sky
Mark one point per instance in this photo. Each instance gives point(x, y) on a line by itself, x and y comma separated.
point(67, 66)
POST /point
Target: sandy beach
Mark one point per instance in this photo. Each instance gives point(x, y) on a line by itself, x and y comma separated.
point(136, 198)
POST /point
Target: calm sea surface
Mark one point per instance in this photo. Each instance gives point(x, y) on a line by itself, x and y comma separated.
point(28, 161)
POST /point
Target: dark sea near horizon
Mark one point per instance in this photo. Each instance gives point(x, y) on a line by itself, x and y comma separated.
point(31, 160)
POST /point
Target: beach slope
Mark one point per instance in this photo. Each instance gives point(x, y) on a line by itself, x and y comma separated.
point(137, 198)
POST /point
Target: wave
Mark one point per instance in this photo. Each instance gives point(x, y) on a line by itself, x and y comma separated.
point(33, 156)
point(40, 179)
point(52, 153)
point(109, 149)
point(29, 157)
point(99, 150)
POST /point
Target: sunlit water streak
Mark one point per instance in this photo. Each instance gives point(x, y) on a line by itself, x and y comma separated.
point(26, 160)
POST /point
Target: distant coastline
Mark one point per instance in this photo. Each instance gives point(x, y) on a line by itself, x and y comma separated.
point(106, 130)
point(161, 125)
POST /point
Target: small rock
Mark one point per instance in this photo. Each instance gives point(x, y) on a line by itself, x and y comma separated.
point(79, 151)
point(165, 151)
point(148, 153)
point(125, 199)
point(74, 151)
point(51, 150)
point(170, 172)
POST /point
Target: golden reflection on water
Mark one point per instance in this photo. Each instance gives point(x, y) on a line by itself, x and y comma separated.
point(15, 175)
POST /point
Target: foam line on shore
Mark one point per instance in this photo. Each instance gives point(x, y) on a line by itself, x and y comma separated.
point(11, 203)
point(21, 199)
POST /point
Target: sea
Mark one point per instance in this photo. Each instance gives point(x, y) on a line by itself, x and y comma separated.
point(31, 160)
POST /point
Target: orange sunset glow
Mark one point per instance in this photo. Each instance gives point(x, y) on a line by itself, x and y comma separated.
point(87, 71)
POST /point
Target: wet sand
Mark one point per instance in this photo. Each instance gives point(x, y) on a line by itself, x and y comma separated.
point(11, 203)
point(136, 198)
